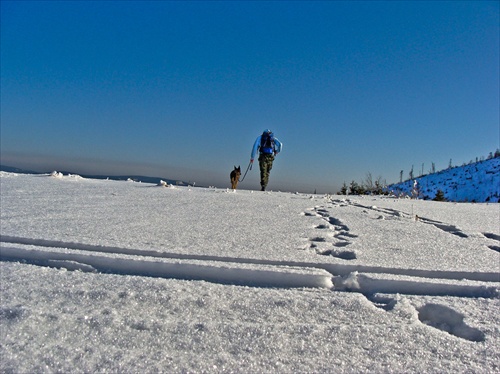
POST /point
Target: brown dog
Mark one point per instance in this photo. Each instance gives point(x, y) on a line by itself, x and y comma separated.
point(235, 177)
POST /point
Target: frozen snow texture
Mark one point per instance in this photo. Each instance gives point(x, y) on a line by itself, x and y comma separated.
point(106, 276)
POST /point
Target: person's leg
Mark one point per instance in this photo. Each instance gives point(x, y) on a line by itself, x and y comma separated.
point(263, 171)
point(266, 164)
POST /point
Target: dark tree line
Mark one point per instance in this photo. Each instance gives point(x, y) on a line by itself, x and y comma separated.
point(367, 187)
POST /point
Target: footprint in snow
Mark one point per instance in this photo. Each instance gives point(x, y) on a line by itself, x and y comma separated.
point(344, 255)
point(446, 319)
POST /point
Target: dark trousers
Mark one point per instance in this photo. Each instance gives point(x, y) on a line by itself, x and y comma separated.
point(265, 164)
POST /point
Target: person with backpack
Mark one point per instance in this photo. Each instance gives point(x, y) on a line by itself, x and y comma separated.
point(268, 147)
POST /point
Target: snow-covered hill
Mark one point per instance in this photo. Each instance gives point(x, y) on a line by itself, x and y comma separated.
point(476, 182)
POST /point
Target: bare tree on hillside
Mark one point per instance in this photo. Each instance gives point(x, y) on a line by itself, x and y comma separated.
point(380, 184)
point(368, 182)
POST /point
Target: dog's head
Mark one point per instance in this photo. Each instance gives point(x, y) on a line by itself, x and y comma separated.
point(237, 170)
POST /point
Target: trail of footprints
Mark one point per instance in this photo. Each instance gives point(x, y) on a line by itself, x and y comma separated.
point(437, 316)
point(333, 236)
point(332, 239)
point(451, 229)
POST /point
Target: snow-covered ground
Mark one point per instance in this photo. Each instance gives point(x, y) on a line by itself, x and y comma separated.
point(108, 276)
point(476, 182)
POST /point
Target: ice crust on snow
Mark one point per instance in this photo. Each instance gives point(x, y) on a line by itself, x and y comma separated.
point(108, 276)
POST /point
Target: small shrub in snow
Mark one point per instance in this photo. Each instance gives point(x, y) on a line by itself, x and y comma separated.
point(439, 196)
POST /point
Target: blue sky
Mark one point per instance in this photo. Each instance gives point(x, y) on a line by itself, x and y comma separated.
point(181, 90)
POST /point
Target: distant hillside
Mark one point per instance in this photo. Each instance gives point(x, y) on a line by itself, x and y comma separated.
point(137, 178)
point(476, 182)
point(11, 169)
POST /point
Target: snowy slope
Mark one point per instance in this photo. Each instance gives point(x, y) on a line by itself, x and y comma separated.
point(477, 182)
point(108, 276)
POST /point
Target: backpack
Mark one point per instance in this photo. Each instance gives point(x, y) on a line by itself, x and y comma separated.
point(267, 143)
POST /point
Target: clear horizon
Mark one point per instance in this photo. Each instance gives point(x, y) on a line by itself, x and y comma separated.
point(182, 89)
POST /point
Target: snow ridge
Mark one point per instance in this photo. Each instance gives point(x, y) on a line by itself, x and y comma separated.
point(266, 273)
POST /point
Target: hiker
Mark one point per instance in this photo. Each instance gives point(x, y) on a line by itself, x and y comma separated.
point(268, 147)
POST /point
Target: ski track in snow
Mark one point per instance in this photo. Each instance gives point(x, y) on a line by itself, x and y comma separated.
point(336, 277)
point(452, 229)
point(377, 284)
